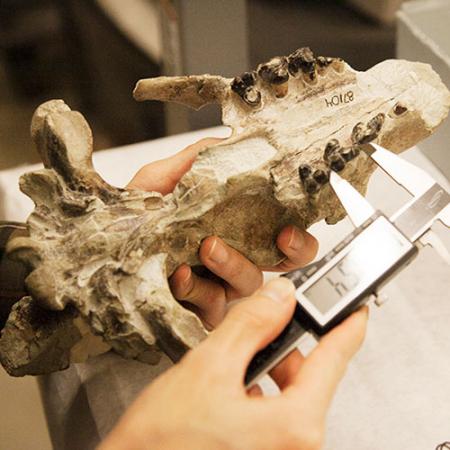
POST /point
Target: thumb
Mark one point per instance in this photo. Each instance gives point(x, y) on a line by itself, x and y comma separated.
point(163, 175)
point(252, 324)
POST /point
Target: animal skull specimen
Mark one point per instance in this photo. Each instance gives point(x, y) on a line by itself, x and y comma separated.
point(100, 256)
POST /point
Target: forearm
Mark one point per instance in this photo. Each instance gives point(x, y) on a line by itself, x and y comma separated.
point(12, 273)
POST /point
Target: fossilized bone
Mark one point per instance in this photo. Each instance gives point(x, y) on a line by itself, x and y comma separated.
point(106, 253)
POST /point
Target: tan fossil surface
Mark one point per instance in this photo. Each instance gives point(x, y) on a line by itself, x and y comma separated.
point(100, 256)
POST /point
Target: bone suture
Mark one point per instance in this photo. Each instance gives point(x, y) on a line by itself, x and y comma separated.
point(100, 256)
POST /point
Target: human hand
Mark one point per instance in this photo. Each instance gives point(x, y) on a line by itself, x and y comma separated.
point(235, 276)
point(201, 403)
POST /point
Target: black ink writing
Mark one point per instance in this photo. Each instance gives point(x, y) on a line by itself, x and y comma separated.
point(340, 99)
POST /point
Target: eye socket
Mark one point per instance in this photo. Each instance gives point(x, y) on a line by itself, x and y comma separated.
point(399, 109)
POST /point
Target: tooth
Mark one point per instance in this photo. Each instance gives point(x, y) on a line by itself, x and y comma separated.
point(302, 60)
point(321, 176)
point(349, 153)
point(244, 87)
point(399, 109)
point(337, 163)
point(275, 72)
point(304, 171)
point(252, 96)
point(331, 147)
point(311, 186)
point(363, 134)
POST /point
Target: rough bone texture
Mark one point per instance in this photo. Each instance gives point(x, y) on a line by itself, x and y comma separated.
point(104, 254)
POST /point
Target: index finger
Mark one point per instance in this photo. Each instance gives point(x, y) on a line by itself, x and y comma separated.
point(324, 368)
point(163, 175)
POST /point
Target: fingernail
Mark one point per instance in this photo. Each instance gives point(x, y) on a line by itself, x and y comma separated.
point(187, 276)
point(296, 240)
point(281, 290)
point(218, 253)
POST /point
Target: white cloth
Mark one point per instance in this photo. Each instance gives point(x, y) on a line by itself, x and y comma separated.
point(396, 392)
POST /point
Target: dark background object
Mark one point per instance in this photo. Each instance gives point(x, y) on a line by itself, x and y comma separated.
point(74, 49)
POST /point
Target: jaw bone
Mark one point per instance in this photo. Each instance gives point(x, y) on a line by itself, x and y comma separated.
point(104, 254)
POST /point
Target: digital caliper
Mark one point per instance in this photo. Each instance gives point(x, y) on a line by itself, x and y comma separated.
point(351, 274)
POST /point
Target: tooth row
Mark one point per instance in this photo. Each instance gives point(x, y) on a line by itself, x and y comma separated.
point(276, 72)
point(363, 134)
point(312, 180)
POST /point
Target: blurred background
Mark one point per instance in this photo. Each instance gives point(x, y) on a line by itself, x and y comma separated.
point(91, 53)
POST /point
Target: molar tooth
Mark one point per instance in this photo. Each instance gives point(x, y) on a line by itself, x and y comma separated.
point(363, 134)
point(337, 162)
point(311, 186)
point(349, 153)
point(331, 147)
point(321, 176)
point(252, 96)
point(302, 60)
point(304, 171)
point(244, 87)
point(376, 123)
point(275, 72)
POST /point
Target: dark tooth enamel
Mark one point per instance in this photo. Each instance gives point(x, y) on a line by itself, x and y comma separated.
point(275, 71)
point(304, 171)
point(330, 148)
point(363, 134)
point(321, 176)
point(337, 163)
point(249, 78)
point(399, 109)
point(240, 84)
point(311, 186)
point(244, 87)
point(301, 60)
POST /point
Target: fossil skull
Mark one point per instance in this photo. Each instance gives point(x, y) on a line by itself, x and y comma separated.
point(101, 256)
